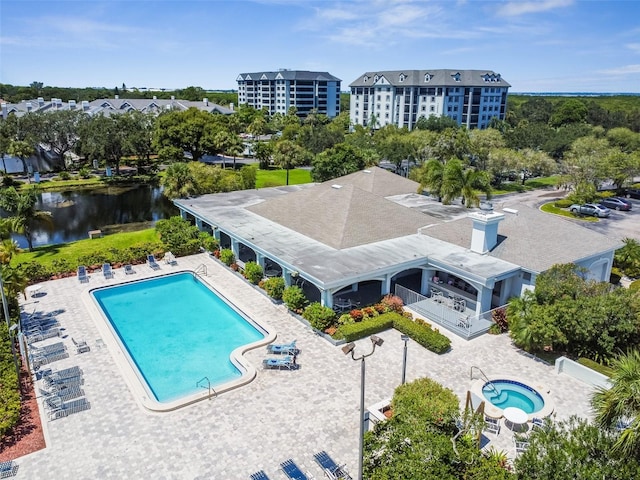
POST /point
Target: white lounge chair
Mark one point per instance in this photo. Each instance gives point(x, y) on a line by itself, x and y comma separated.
point(492, 425)
point(81, 345)
point(170, 259)
point(58, 409)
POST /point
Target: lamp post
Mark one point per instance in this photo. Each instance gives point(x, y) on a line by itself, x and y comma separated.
point(405, 339)
point(350, 349)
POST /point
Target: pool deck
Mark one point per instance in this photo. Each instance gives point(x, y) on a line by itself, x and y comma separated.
point(280, 415)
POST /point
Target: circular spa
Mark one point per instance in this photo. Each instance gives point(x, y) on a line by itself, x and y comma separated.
point(501, 393)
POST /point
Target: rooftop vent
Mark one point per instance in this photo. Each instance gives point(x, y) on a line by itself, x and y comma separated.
point(510, 210)
point(367, 171)
point(336, 186)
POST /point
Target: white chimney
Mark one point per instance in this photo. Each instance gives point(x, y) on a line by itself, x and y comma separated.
point(485, 230)
point(205, 101)
point(5, 111)
point(72, 104)
point(231, 106)
point(117, 97)
point(85, 105)
point(28, 106)
point(40, 101)
point(155, 97)
point(173, 97)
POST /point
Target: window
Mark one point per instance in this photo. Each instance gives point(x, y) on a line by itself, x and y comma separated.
point(423, 108)
point(402, 77)
point(378, 98)
point(433, 99)
point(386, 115)
point(427, 77)
point(376, 78)
point(357, 105)
point(388, 97)
point(432, 108)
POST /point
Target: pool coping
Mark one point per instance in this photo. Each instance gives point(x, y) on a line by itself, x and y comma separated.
point(495, 412)
point(135, 380)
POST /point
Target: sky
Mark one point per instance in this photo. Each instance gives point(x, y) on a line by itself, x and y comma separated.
point(537, 46)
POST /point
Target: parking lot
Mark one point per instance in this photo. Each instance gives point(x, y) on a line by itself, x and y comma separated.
point(619, 225)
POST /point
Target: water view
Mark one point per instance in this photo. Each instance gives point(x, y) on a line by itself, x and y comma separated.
point(114, 208)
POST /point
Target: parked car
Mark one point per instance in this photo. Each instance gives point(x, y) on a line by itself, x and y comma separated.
point(632, 193)
point(590, 209)
point(616, 203)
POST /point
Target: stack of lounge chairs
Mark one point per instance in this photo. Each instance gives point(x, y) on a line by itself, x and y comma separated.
point(36, 328)
point(62, 392)
point(8, 469)
point(287, 356)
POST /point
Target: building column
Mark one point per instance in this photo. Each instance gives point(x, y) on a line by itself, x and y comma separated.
point(183, 214)
point(260, 260)
point(483, 303)
point(199, 223)
point(235, 248)
point(386, 285)
point(427, 275)
point(505, 293)
point(326, 298)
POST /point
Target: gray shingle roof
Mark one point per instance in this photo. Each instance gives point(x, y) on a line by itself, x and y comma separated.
point(291, 75)
point(349, 212)
point(531, 238)
point(467, 78)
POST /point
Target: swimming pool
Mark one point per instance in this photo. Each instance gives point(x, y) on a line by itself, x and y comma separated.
point(501, 392)
point(508, 393)
point(179, 337)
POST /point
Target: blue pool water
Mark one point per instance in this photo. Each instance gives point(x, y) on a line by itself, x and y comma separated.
point(513, 394)
point(176, 331)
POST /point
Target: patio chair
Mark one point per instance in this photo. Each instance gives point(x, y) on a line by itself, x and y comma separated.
point(65, 394)
point(170, 259)
point(288, 362)
point(537, 423)
point(151, 261)
point(81, 345)
point(521, 444)
point(284, 348)
point(291, 470)
point(58, 409)
point(8, 469)
point(492, 425)
point(331, 468)
point(128, 269)
point(82, 274)
point(56, 384)
point(259, 476)
point(64, 373)
point(106, 270)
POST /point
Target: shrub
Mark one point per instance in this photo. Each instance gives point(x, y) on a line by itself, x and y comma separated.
point(422, 333)
point(253, 272)
point(355, 331)
point(393, 303)
point(425, 402)
point(294, 298)
point(319, 316)
point(274, 287)
point(563, 203)
point(84, 172)
point(9, 394)
point(356, 314)
point(208, 242)
point(598, 367)
point(615, 276)
point(635, 286)
point(35, 271)
point(65, 176)
point(345, 319)
point(178, 235)
point(227, 256)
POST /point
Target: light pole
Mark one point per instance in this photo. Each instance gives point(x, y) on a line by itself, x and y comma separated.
point(405, 339)
point(350, 349)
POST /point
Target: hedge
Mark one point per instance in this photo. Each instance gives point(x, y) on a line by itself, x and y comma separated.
point(9, 394)
point(603, 369)
point(423, 333)
point(418, 330)
point(355, 331)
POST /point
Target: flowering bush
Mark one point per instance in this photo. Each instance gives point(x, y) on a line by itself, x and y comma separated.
point(393, 303)
point(356, 314)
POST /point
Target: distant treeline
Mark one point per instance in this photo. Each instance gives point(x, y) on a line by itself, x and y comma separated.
point(16, 94)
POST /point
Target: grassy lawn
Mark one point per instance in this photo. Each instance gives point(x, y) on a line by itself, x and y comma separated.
point(72, 251)
point(276, 178)
point(56, 185)
point(531, 184)
point(551, 208)
point(542, 182)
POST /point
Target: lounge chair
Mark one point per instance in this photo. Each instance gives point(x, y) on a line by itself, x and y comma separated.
point(38, 334)
point(65, 394)
point(56, 384)
point(106, 270)
point(81, 345)
point(64, 373)
point(151, 261)
point(284, 348)
point(58, 409)
point(521, 444)
point(128, 269)
point(37, 360)
point(82, 274)
point(288, 362)
point(8, 469)
point(292, 470)
point(170, 259)
point(331, 468)
point(259, 476)
point(47, 349)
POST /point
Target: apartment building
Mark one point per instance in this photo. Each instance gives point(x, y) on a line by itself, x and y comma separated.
point(281, 90)
point(400, 97)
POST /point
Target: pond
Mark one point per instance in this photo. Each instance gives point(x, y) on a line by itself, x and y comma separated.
point(110, 209)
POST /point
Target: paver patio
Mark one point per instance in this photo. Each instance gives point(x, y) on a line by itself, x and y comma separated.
point(280, 415)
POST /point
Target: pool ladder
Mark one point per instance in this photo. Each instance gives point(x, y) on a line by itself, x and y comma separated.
point(200, 383)
point(493, 387)
point(201, 270)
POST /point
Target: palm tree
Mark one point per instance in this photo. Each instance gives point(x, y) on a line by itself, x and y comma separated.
point(288, 154)
point(178, 181)
point(451, 180)
point(23, 215)
point(431, 177)
point(619, 406)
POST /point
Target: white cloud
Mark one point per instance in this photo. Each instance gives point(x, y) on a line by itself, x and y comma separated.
point(514, 9)
point(624, 70)
point(634, 47)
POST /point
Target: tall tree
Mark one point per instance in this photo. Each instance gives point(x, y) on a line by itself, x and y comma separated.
point(178, 181)
point(288, 155)
point(192, 130)
point(23, 150)
point(59, 130)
